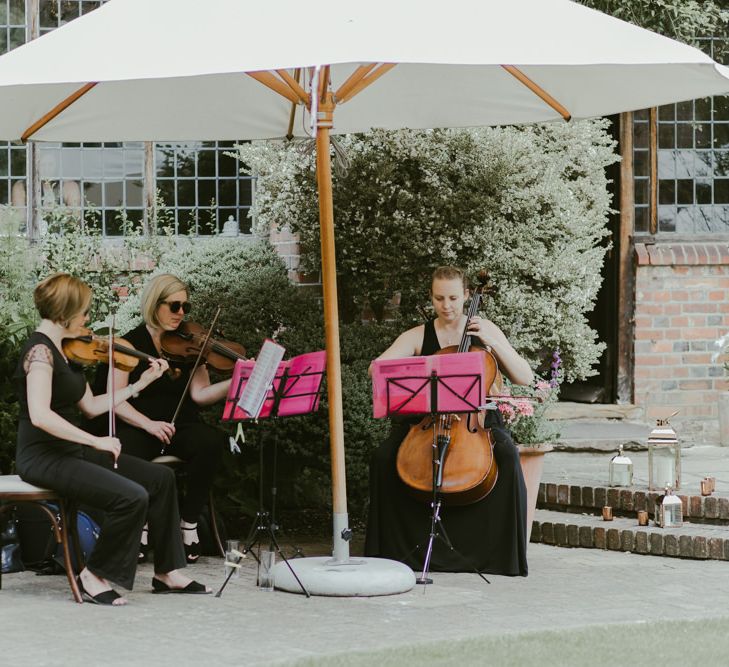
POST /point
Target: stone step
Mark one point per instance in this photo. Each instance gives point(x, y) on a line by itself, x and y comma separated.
point(713, 509)
point(566, 529)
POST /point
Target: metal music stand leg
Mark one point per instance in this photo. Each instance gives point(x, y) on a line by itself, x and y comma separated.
point(437, 529)
point(264, 524)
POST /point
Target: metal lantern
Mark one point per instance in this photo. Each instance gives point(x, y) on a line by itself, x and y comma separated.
point(664, 457)
point(668, 510)
point(621, 469)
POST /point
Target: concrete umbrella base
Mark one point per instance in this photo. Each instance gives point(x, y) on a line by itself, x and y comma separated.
point(357, 577)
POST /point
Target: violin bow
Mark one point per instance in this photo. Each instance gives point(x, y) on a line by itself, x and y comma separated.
point(194, 368)
point(110, 387)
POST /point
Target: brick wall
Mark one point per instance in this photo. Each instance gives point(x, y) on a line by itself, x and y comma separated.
point(287, 246)
point(681, 308)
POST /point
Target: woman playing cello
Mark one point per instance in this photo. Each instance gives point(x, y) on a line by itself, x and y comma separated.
point(490, 534)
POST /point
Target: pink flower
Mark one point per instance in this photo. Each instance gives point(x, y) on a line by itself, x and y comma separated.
point(525, 408)
point(543, 385)
point(507, 412)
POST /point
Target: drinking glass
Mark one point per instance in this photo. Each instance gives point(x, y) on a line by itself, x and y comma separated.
point(265, 570)
point(231, 559)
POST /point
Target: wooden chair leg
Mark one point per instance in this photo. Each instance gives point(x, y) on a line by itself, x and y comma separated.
point(62, 539)
point(214, 526)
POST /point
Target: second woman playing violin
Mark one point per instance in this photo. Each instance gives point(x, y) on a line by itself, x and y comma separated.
point(145, 427)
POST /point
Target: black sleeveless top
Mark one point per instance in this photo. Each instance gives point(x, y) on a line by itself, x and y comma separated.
point(67, 389)
point(430, 339)
point(159, 400)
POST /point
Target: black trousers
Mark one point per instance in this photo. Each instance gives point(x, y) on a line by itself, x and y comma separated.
point(136, 492)
point(199, 445)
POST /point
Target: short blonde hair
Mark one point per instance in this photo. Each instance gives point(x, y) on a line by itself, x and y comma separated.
point(60, 297)
point(450, 273)
point(155, 292)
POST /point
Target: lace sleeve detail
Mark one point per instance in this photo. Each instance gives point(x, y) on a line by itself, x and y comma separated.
point(39, 353)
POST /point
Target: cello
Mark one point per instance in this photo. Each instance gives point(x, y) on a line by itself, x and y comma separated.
point(454, 452)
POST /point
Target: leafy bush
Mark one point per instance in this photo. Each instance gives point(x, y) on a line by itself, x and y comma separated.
point(529, 204)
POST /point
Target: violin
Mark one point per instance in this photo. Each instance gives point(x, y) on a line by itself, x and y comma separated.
point(466, 468)
point(89, 349)
point(184, 345)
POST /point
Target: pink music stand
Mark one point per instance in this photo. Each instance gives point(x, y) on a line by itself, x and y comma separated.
point(434, 384)
point(296, 387)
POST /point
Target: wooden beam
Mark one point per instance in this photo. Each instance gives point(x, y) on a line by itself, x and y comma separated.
point(626, 265)
point(292, 114)
point(47, 118)
point(293, 83)
point(538, 91)
point(275, 84)
point(653, 162)
point(366, 81)
point(354, 78)
point(324, 83)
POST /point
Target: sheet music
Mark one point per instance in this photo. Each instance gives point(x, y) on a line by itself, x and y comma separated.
point(254, 393)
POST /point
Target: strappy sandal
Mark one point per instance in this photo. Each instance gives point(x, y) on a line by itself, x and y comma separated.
point(104, 598)
point(143, 556)
point(193, 588)
point(192, 551)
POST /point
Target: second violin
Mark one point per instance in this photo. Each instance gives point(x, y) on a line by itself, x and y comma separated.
point(183, 345)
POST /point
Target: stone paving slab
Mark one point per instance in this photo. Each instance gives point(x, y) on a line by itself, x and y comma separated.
point(565, 589)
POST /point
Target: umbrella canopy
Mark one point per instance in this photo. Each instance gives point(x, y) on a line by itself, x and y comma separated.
point(175, 69)
point(172, 70)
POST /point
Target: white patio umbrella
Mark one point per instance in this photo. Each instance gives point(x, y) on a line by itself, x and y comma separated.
point(171, 70)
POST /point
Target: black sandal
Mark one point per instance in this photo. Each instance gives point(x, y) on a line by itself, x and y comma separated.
point(193, 588)
point(104, 598)
point(143, 556)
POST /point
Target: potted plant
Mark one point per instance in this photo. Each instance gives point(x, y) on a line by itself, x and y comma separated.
point(533, 433)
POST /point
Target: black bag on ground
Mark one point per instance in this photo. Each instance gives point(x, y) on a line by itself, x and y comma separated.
point(10, 560)
point(38, 546)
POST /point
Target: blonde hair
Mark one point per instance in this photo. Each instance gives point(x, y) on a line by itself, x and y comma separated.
point(155, 292)
point(60, 297)
point(450, 273)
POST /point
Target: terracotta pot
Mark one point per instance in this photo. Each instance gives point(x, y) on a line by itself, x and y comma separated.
point(531, 458)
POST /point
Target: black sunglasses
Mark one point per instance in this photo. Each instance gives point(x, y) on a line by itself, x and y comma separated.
point(175, 306)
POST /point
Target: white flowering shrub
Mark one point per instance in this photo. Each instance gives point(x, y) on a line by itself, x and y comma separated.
point(529, 204)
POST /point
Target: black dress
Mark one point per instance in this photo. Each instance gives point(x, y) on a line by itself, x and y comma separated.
point(490, 534)
point(134, 493)
point(196, 443)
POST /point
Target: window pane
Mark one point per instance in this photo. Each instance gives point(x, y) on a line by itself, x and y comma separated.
point(17, 38)
point(667, 112)
point(721, 108)
point(641, 219)
point(702, 109)
point(703, 192)
point(666, 136)
point(186, 193)
point(17, 162)
point(721, 191)
point(685, 136)
point(666, 192)
point(684, 191)
point(4, 195)
point(3, 162)
point(721, 135)
point(134, 193)
point(245, 185)
point(641, 191)
point(721, 163)
point(666, 219)
point(702, 133)
point(206, 192)
point(640, 135)
point(685, 110)
point(641, 114)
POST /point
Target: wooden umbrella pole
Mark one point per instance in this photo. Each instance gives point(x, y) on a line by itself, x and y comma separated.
point(331, 323)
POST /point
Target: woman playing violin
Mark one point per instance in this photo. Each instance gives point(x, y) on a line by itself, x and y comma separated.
point(490, 533)
point(54, 453)
point(147, 426)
